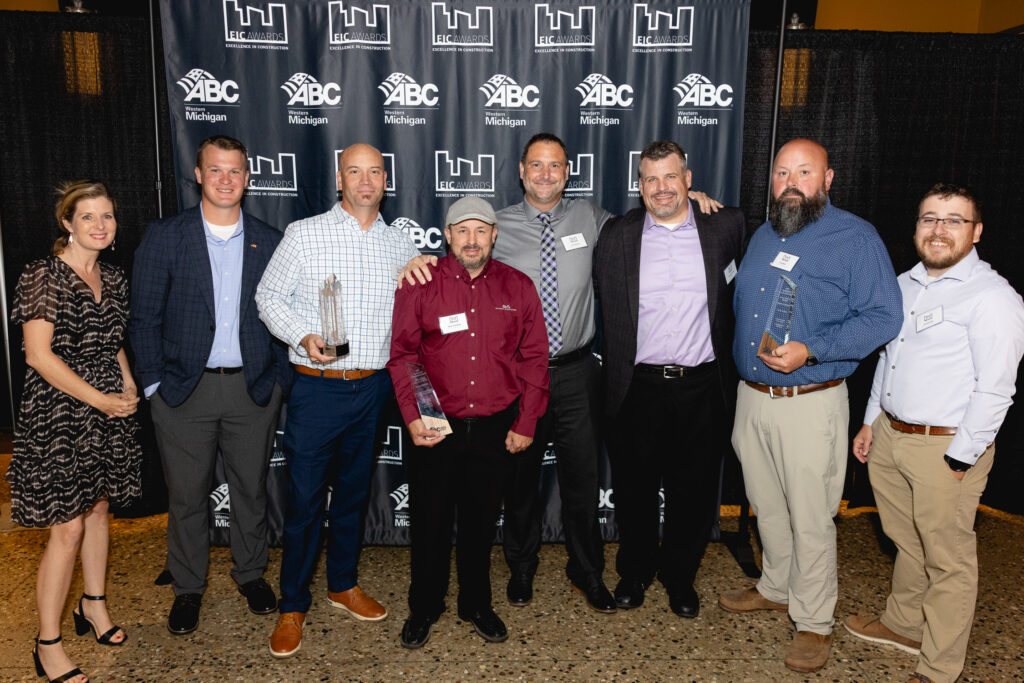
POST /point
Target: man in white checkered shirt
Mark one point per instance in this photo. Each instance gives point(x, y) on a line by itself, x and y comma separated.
point(335, 402)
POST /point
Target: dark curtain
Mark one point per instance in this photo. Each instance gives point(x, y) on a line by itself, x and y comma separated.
point(899, 112)
point(78, 103)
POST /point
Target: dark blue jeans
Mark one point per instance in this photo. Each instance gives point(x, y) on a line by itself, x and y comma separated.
point(328, 441)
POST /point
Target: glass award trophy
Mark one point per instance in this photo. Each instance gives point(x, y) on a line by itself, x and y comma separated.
point(780, 318)
point(426, 400)
point(332, 323)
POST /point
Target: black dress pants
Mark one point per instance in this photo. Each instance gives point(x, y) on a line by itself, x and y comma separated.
point(669, 434)
point(460, 479)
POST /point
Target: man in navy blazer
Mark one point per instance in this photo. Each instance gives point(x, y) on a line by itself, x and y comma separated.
point(664, 278)
point(213, 373)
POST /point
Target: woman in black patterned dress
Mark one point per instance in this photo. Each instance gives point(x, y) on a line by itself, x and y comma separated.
point(75, 447)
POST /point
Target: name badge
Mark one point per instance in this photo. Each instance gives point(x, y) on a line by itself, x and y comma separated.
point(929, 319)
point(576, 241)
point(785, 261)
point(730, 271)
point(453, 323)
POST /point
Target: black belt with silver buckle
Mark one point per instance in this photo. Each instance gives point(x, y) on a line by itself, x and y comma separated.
point(673, 371)
point(223, 371)
point(571, 357)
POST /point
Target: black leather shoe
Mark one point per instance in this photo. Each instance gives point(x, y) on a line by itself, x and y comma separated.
point(488, 624)
point(259, 595)
point(629, 594)
point(685, 602)
point(520, 590)
point(184, 616)
point(597, 596)
point(416, 631)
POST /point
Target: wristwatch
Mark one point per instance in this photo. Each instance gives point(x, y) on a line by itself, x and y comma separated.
point(811, 360)
point(956, 465)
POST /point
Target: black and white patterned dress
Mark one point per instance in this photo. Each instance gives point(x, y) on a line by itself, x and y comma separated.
point(67, 454)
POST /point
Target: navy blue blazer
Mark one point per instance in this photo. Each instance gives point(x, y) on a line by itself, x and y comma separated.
point(172, 319)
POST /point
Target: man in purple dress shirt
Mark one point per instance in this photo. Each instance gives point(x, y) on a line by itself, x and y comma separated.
point(664, 277)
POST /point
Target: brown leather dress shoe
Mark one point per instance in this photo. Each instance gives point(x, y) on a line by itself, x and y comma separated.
point(872, 629)
point(358, 604)
point(748, 600)
point(808, 651)
point(287, 637)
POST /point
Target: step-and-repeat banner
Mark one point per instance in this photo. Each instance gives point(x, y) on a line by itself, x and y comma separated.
point(449, 92)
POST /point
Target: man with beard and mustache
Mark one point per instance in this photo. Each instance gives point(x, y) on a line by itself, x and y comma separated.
point(941, 391)
point(477, 330)
point(792, 410)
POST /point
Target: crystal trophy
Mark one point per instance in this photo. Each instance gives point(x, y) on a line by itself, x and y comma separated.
point(780, 318)
point(426, 400)
point(332, 323)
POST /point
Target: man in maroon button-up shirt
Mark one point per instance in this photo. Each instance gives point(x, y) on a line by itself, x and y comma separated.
point(478, 330)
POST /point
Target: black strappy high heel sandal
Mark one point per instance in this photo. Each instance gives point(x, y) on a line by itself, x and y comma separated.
point(39, 665)
point(83, 625)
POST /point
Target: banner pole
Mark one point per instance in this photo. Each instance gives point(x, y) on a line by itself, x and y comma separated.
point(775, 105)
point(156, 113)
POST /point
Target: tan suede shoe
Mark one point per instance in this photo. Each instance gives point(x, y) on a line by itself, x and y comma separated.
point(872, 629)
point(287, 637)
point(808, 652)
point(748, 600)
point(358, 604)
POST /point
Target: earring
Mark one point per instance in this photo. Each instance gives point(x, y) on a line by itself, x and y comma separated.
point(71, 238)
point(113, 245)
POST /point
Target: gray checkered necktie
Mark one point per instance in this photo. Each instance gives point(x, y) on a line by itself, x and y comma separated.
point(549, 284)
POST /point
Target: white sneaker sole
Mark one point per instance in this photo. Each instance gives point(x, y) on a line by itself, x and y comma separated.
point(883, 641)
point(283, 655)
point(360, 617)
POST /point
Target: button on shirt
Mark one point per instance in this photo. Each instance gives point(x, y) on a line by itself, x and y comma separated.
point(673, 327)
point(847, 299)
point(480, 370)
point(954, 363)
point(518, 245)
point(366, 263)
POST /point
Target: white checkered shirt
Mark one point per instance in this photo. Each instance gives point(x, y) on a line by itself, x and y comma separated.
point(366, 263)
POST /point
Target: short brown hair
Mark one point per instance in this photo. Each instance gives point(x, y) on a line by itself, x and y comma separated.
point(220, 142)
point(947, 190)
point(659, 149)
point(68, 196)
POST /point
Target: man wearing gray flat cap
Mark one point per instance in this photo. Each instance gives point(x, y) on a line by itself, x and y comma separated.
point(477, 331)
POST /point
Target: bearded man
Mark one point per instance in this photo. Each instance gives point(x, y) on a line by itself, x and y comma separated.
point(815, 294)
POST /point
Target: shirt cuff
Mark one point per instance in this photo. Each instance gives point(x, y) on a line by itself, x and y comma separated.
point(151, 389)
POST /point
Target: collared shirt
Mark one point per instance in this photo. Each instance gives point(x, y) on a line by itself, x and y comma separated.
point(954, 363)
point(673, 327)
point(226, 266)
point(576, 224)
point(481, 341)
point(366, 263)
point(847, 299)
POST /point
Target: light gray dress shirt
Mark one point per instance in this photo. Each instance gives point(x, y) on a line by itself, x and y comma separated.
point(954, 363)
point(576, 224)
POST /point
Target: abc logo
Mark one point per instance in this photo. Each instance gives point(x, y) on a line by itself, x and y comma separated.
point(210, 91)
point(609, 95)
point(413, 95)
point(707, 95)
point(604, 500)
point(314, 94)
point(512, 95)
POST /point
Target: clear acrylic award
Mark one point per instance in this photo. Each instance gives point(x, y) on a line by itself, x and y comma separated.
point(426, 400)
point(780, 318)
point(332, 322)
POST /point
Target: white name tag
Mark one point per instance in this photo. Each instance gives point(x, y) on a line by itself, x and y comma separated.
point(453, 323)
point(785, 261)
point(929, 319)
point(730, 271)
point(576, 241)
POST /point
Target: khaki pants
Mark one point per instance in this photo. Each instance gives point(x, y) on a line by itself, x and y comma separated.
point(929, 515)
point(793, 451)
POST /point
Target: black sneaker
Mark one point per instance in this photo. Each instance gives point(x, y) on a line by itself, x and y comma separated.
point(259, 595)
point(488, 624)
point(184, 616)
point(416, 631)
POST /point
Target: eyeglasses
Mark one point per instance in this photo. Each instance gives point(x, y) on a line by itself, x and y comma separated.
point(951, 222)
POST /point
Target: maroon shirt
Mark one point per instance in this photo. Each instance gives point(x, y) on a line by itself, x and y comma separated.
point(480, 370)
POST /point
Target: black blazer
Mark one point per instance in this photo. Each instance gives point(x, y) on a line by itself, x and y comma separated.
point(617, 283)
point(172, 311)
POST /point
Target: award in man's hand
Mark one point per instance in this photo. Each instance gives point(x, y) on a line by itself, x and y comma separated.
point(780, 317)
point(426, 400)
point(332, 323)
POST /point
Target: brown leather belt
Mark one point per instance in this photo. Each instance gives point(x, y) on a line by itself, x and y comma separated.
point(798, 390)
point(332, 374)
point(927, 430)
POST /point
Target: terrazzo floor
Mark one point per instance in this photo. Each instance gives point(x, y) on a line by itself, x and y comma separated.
point(556, 638)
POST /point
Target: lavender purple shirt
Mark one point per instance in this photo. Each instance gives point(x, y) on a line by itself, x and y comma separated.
point(673, 325)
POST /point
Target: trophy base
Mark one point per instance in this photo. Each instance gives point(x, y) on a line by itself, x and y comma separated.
point(438, 424)
point(336, 350)
point(768, 344)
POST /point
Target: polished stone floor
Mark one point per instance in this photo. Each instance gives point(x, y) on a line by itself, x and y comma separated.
point(556, 638)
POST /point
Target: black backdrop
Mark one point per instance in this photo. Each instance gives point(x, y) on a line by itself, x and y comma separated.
point(897, 112)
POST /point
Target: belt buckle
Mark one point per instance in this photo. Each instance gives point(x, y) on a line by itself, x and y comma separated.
point(672, 371)
point(782, 391)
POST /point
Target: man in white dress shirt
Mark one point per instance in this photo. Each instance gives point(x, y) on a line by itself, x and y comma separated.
point(940, 393)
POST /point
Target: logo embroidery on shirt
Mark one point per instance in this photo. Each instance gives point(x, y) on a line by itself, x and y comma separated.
point(504, 307)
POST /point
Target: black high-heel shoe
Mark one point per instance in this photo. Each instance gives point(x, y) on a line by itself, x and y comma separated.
point(83, 625)
point(39, 665)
